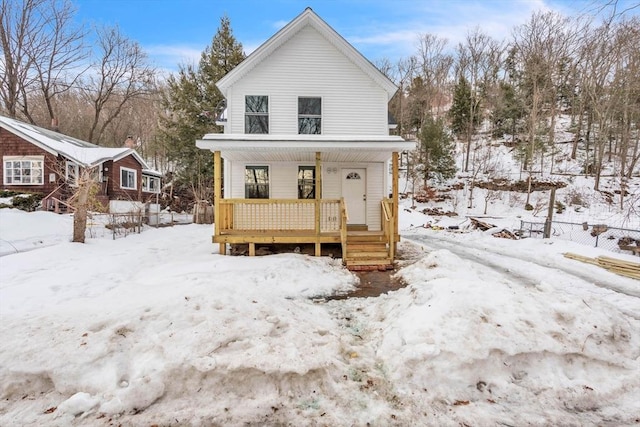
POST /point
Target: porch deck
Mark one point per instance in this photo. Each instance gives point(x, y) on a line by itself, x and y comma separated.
point(271, 221)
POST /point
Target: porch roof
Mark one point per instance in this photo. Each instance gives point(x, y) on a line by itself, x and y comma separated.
point(334, 148)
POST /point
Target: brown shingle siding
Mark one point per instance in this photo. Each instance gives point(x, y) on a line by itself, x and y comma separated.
point(13, 145)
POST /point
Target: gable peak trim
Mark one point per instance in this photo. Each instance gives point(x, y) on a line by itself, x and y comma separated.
point(307, 18)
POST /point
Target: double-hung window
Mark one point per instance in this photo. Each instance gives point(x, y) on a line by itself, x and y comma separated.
point(23, 170)
point(309, 115)
point(128, 178)
point(256, 114)
point(256, 182)
point(306, 182)
point(150, 184)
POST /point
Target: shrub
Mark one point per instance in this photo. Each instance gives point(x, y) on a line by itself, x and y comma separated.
point(576, 198)
point(26, 202)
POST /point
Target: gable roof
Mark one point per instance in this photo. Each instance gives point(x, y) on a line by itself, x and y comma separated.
point(82, 152)
point(308, 17)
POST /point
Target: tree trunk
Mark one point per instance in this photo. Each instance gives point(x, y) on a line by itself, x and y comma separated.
point(80, 215)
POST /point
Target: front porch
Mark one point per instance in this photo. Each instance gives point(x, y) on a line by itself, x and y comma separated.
point(353, 171)
point(317, 222)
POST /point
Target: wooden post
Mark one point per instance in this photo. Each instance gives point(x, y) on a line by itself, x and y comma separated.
point(318, 194)
point(217, 196)
point(394, 187)
point(547, 222)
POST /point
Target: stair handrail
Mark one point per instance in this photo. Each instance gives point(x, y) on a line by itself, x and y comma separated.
point(344, 218)
point(387, 222)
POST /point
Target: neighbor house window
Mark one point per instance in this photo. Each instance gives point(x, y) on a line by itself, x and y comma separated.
point(256, 182)
point(150, 184)
point(128, 178)
point(72, 173)
point(309, 115)
point(23, 170)
point(306, 182)
point(256, 114)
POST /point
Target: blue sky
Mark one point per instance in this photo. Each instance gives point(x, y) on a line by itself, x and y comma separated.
point(177, 31)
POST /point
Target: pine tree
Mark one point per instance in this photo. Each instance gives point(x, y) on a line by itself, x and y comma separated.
point(438, 148)
point(464, 113)
point(192, 102)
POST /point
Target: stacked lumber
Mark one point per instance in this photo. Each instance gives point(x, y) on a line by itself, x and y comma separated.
point(618, 266)
point(506, 234)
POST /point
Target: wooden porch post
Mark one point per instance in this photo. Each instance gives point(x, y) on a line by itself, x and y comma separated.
point(217, 196)
point(318, 193)
point(394, 186)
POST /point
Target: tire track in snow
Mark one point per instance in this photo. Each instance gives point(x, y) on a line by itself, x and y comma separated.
point(518, 268)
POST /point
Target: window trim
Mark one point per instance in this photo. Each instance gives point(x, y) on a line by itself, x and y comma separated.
point(310, 116)
point(268, 168)
point(314, 179)
point(72, 180)
point(135, 178)
point(149, 178)
point(248, 114)
point(31, 159)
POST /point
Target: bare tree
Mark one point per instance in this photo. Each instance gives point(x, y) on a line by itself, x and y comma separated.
point(41, 46)
point(434, 67)
point(121, 74)
point(476, 60)
point(57, 59)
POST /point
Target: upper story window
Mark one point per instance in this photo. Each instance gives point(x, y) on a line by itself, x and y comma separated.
point(150, 184)
point(309, 115)
point(256, 114)
point(23, 170)
point(306, 182)
point(128, 178)
point(256, 182)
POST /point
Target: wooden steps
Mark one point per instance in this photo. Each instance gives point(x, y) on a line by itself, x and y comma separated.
point(367, 251)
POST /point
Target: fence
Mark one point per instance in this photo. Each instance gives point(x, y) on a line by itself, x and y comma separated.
point(117, 225)
point(597, 235)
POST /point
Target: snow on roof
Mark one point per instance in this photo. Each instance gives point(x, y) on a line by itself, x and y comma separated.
point(81, 152)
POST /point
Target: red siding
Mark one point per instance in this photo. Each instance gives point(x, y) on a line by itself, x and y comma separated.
point(113, 184)
point(13, 145)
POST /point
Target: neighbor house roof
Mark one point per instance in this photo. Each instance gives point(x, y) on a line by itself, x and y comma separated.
point(308, 17)
point(82, 152)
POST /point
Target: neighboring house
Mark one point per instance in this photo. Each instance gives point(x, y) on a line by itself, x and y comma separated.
point(37, 160)
point(306, 148)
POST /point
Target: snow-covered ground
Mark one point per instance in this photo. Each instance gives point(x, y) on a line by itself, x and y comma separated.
point(158, 329)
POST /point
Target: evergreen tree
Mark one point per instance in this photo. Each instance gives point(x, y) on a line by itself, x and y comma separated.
point(461, 108)
point(192, 102)
point(464, 114)
point(438, 149)
point(508, 113)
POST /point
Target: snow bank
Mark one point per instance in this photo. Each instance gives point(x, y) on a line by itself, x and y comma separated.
point(463, 335)
point(159, 329)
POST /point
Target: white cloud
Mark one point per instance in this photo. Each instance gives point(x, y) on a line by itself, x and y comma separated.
point(171, 56)
point(449, 20)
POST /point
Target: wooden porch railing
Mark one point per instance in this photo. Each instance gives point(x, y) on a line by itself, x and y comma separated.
point(269, 215)
point(388, 225)
point(344, 215)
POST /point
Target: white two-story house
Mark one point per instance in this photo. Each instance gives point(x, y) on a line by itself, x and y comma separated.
point(306, 148)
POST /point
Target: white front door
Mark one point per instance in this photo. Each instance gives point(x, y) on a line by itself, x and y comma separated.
point(354, 191)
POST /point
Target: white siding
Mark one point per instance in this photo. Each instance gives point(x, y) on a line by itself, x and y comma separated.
point(283, 180)
point(309, 65)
